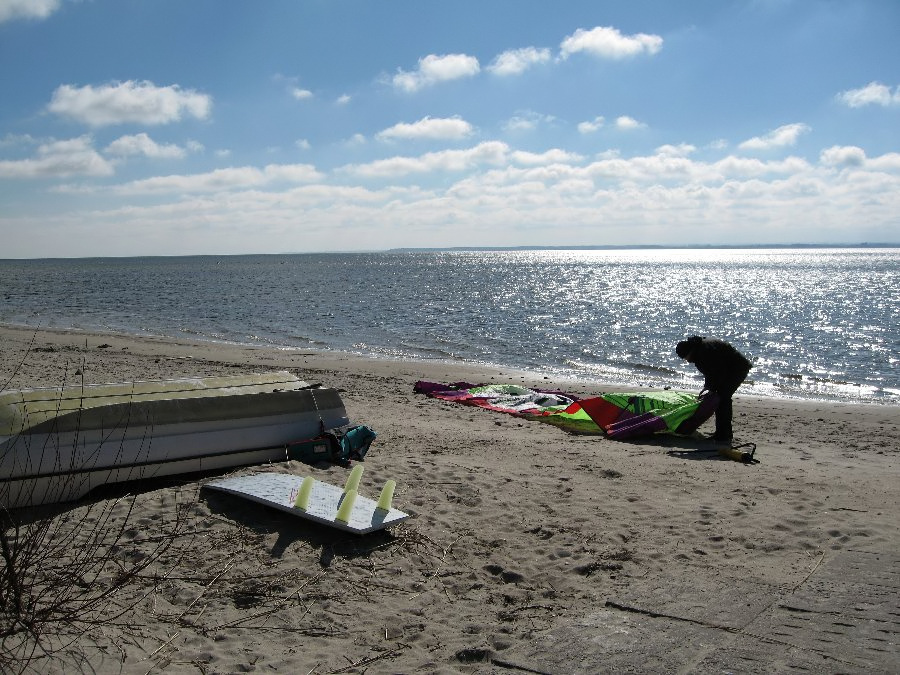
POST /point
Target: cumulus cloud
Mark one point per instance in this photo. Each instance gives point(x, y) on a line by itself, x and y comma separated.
point(554, 156)
point(72, 157)
point(608, 43)
point(355, 140)
point(627, 123)
point(890, 162)
point(873, 93)
point(488, 153)
point(680, 150)
point(517, 61)
point(778, 138)
point(301, 94)
point(591, 126)
point(446, 128)
point(27, 9)
point(12, 140)
point(343, 99)
point(142, 144)
point(128, 102)
point(526, 121)
point(613, 199)
point(434, 69)
point(742, 167)
point(235, 178)
point(623, 122)
point(847, 155)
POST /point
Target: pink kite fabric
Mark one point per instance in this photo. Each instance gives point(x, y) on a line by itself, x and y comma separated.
point(617, 415)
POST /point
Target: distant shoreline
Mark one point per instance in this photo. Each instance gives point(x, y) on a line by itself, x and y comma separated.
point(463, 249)
point(642, 247)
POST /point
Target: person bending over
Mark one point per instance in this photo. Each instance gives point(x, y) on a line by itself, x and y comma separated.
point(724, 368)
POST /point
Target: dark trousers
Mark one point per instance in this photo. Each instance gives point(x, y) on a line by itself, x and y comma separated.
point(724, 410)
point(723, 416)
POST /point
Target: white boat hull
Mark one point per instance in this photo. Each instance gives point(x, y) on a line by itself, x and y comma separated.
point(60, 444)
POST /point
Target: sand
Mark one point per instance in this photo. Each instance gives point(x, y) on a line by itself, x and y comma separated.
point(529, 549)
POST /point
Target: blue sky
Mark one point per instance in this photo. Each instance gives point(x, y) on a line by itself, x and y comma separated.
point(172, 127)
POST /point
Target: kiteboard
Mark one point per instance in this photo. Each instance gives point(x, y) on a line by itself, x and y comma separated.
point(311, 499)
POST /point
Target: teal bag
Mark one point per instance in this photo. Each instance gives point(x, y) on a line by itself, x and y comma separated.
point(338, 446)
point(354, 441)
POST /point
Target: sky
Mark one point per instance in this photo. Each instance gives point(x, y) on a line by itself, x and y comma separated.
point(174, 127)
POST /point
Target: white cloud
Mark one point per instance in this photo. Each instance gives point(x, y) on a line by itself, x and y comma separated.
point(291, 173)
point(343, 99)
point(680, 150)
point(126, 102)
point(12, 140)
point(526, 121)
point(488, 153)
point(555, 156)
point(591, 126)
point(142, 144)
point(842, 156)
point(433, 69)
point(27, 9)
point(778, 138)
point(873, 93)
point(302, 143)
point(627, 123)
point(355, 140)
point(743, 168)
point(501, 197)
point(670, 165)
point(301, 94)
point(890, 162)
point(73, 157)
point(238, 178)
point(446, 128)
point(609, 43)
point(517, 61)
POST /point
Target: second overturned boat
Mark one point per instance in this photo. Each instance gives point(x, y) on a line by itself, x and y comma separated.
point(56, 444)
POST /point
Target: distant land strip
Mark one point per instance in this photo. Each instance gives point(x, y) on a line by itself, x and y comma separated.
point(626, 247)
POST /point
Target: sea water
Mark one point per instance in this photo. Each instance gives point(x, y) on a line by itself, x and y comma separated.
point(817, 323)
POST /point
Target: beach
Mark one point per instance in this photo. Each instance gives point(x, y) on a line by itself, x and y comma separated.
point(528, 550)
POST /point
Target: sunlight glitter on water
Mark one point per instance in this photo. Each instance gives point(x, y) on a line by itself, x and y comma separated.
point(818, 322)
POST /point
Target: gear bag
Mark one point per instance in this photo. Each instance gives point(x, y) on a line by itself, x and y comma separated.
point(338, 446)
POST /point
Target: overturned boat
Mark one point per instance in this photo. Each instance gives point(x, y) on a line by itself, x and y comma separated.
point(57, 444)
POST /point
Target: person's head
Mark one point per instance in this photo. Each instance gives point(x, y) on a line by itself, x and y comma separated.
point(685, 348)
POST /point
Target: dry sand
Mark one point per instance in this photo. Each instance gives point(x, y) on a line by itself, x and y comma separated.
point(529, 549)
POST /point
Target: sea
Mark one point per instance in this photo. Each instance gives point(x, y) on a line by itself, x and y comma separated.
point(818, 323)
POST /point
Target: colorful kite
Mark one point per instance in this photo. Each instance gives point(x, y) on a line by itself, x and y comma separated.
point(616, 415)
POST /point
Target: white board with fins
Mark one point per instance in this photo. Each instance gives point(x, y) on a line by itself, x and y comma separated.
point(327, 504)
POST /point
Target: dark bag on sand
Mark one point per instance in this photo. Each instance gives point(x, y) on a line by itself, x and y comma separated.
point(338, 446)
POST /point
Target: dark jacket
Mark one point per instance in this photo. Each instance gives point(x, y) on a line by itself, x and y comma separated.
point(723, 366)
